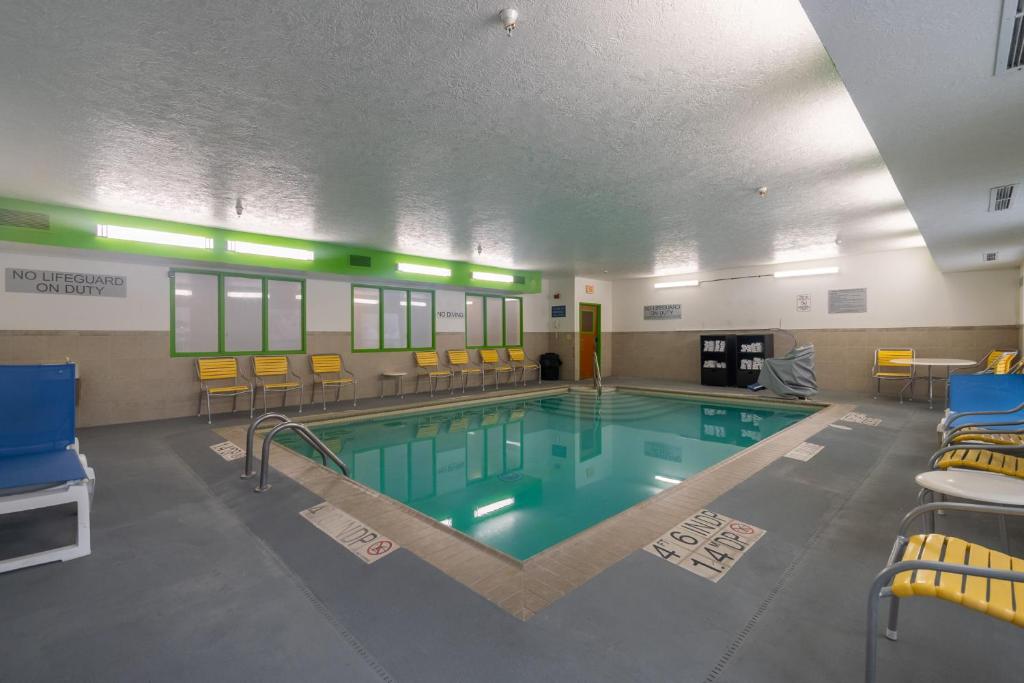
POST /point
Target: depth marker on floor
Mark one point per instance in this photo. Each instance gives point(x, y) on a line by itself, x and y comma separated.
point(349, 532)
point(706, 543)
point(228, 450)
point(862, 419)
point(804, 451)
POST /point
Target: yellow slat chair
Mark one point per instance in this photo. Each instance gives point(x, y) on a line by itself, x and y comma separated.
point(1004, 365)
point(986, 365)
point(996, 458)
point(885, 370)
point(272, 373)
point(949, 568)
point(329, 371)
point(428, 366)
point(518, 359)
point(490, 362)
point(210, 370)
point(460, 365)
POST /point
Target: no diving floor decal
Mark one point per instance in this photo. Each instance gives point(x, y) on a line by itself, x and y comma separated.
point(228, 450)
point(707, 544)
point(349, 532)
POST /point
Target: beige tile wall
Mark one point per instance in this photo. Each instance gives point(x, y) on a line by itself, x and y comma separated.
point(843, 356)
point(131, 377)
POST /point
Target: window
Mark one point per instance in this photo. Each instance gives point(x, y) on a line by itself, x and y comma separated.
point(390, 319)
point(228, 313)
point(493, 321)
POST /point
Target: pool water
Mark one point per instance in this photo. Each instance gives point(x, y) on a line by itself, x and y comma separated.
point(523, 475)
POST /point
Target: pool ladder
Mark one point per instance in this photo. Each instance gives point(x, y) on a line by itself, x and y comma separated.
point(286, 425)
point(597, 374)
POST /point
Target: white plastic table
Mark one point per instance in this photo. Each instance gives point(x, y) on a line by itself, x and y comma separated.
point(931, 363)
point(398, 377)
point(983, 487)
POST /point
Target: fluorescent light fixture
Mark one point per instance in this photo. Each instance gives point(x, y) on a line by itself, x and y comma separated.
point(269, 250)
point(298, 297)
point(424, 270)
point(829, 270)
point(183, 292)
point(245, 295)
point(513, 443)
point(420, 304)
point(365, 301)
point(492, 277)
point(668, 480)
point(468, 302)
point(494, 507)
point(676, 283)
point(170, 239)
point(447, 522)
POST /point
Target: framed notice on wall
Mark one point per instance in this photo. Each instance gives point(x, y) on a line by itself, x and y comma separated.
point(848, 300)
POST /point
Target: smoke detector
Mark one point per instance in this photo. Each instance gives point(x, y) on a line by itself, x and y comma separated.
point(508, 18)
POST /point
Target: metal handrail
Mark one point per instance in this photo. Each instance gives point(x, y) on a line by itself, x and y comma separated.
point(597, 374)
point(247, 470)
point(307, 436)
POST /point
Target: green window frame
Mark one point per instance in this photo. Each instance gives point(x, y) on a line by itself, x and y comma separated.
point(222, 349)
point(409, 291)
point(504, 324)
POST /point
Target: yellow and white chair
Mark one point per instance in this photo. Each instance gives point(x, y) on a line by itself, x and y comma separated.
point(220, 378)
point(884, 369)
point(518, 359)
point(461, 366)
point(995, 362)
point(490, 362)
point(428, 366)
point(272, 375)
point(329, 371)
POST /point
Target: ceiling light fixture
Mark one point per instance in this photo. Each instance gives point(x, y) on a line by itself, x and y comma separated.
point(492, 277)
point(676, 283)
point(424, 270)
point(245, 295)
point(170, 239)
point(508, 18)
point(256, 249)
point(829, 270)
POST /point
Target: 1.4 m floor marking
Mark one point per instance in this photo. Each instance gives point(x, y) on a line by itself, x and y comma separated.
point(707, 544)
point(804, 451)
point(228, 450)
point(349, 532)
point(861, 419)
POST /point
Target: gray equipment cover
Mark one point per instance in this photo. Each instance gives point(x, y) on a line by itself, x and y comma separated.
point(792, 375)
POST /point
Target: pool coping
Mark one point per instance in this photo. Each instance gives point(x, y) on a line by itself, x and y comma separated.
point(523, 588)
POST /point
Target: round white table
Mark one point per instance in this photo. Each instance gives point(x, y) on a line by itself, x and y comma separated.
point(983, 487)
point(931, 363)
point(397, 377)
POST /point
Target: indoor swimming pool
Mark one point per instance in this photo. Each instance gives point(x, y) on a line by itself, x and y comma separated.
point(523, 475)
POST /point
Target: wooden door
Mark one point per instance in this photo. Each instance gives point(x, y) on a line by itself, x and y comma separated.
point(590, 328)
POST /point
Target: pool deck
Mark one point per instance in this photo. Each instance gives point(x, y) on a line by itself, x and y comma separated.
point(194, 577)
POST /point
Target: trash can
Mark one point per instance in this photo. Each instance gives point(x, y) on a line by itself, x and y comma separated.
point(549, 364)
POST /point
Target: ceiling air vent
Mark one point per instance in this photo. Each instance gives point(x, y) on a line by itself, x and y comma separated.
point(990, 256)
point(359, 261)
point(519, 279)
point(1010, 53)
point(24, 219)
point(1001, 198)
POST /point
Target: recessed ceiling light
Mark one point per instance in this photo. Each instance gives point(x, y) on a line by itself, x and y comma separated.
point(170, 239)
point(676, 283)
point(492, 277)
point(424, 270)
point(257, 249)
point(830, 270)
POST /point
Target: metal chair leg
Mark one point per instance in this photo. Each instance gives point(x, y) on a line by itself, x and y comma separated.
point(209, 413)
point(894, 615)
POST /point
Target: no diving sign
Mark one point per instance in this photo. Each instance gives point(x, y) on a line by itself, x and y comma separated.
point(707, 544)
point(349, 532)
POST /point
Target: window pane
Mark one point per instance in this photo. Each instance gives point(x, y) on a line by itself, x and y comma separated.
point(243, 314)
point(395, 322)
point(494, 316)
point(512, 313)
point(366, 317)
point(474, 320)
point(284, 315)
point(422, 333)
point(195, 313)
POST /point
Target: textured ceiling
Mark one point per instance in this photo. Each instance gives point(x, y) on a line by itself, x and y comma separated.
point(627, 137)
point(921, 74)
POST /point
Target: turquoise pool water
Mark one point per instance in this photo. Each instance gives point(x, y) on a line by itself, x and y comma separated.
point(523, 475)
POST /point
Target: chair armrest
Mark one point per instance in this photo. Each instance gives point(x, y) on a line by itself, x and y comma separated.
point(968, 369)
point(920, 510)
point(295, 375)
point(1004, 450)
point(349, 373)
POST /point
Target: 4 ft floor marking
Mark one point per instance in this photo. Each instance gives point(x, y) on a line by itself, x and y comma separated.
point(707, 544)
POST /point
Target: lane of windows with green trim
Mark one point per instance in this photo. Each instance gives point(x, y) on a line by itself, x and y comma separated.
point(392, 319)
point(228, 313)
point(493, 321)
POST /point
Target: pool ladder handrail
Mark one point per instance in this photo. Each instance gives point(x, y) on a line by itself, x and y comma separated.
point(598, 385)
point(304, 433)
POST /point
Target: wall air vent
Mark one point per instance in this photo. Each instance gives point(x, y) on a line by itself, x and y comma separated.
point(1010, 52)
point(519, 279)
point(1001, 198)
point(990, 256)
point(24, 219)
point(359, 261)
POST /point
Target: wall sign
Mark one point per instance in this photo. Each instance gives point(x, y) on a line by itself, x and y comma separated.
point(31, 281)
point(449, 315)
point(663, 312)
point(803, 303)
point(558, 311)
point(589, 289)
point(848, 300)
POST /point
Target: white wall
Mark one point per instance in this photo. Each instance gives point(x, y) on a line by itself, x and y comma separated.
point(603, 294)
point(905, 289)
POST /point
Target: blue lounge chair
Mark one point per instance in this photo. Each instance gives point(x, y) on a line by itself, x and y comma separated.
point(40, 465)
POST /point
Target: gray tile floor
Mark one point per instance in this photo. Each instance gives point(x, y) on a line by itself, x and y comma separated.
point(193, 577)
